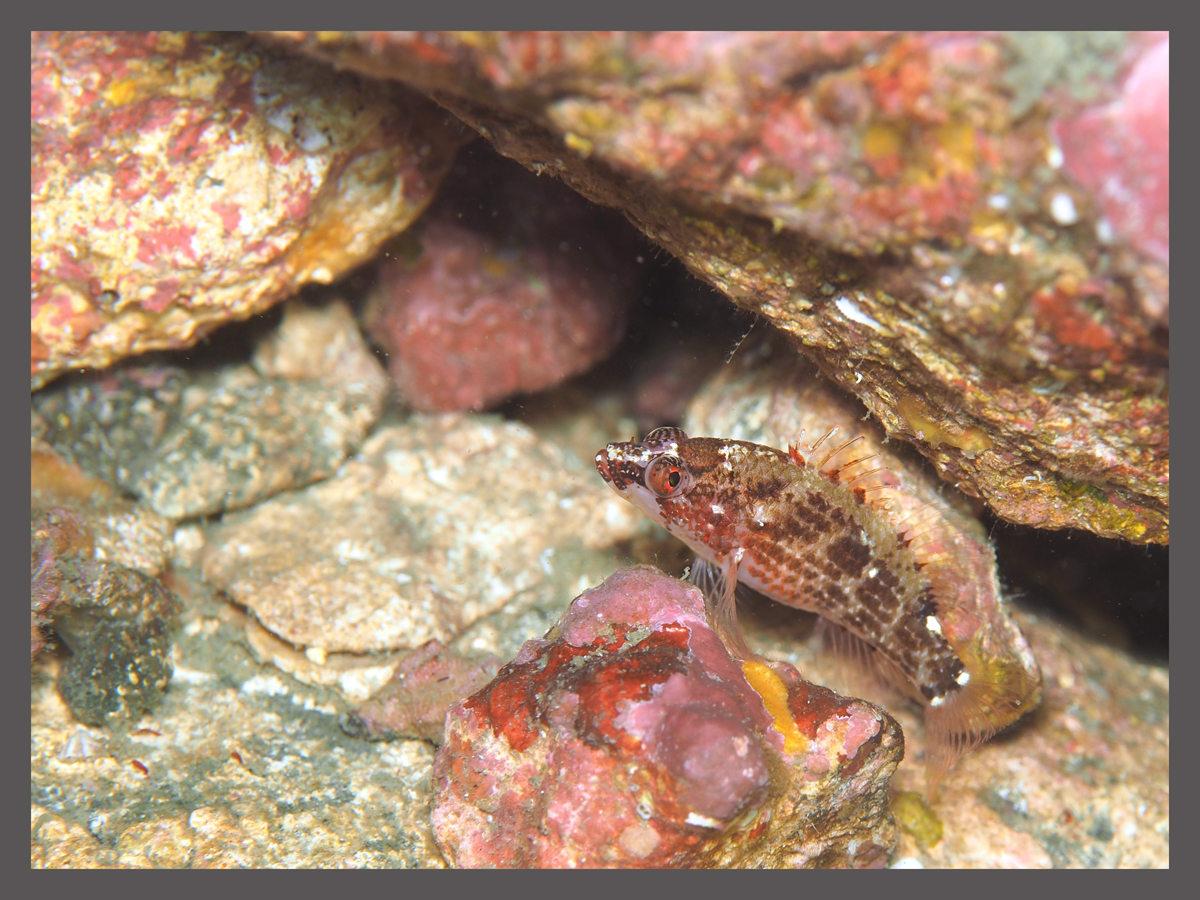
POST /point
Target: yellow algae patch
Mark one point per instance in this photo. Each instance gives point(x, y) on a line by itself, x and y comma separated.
point(580, 145)
point(957, 142)
point(124, 90)
point(882, 140)
point(775, 698)
point(916, 817)
point(971, 440)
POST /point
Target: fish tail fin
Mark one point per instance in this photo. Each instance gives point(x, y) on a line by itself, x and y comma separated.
point(997, 695)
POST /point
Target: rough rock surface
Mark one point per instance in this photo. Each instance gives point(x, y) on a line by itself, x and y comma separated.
point(895, 202)
point(123, 532)
point(414, 703)
point(629, 737)
point(183, 180)
point(259, 760)
point(1082, 782)
point(239, 767)
point(197, 443)
point(435, 524)
point(115, 621)
point(321, 341)
point(510, 283)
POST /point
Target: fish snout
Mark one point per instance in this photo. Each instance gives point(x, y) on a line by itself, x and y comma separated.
point(602, 463)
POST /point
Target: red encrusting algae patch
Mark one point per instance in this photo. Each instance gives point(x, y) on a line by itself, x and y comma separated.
point(511, 701)
point(629, 736)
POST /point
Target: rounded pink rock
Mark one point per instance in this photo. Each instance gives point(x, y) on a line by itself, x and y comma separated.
point(629, 737)
point(1121, 152)
point(500, 304)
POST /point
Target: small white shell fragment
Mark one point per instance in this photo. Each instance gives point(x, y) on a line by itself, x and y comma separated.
point(1062, 209)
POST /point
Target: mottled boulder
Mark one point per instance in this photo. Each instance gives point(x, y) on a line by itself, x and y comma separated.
point(179, 181)
point(196, 442)
point(896, 202)
point(628, 737)
point(510, 283)
point(116, 621)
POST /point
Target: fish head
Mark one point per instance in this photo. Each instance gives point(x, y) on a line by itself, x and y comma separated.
point(673, 479)
point(648, 471)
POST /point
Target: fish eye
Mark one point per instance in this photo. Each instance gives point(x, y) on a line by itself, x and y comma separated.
point(667, 477)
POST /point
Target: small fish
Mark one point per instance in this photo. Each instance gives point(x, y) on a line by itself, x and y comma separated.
point(915, 600)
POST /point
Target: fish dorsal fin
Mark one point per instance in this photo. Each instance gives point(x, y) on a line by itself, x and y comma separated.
point(932, 542)
point(842, 465)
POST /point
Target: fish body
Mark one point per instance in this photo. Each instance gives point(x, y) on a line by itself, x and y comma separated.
point(913, 601)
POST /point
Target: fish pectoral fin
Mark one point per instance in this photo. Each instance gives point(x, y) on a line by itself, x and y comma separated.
point(718, 582)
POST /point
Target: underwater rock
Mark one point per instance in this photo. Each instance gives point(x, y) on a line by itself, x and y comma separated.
point(122, 531)
point(423, 687)
point(321, 341)
point(238, 767)
point(191, 446)
point(246, 438)
point(432, 525)
point(107, 422)
point(1121, 151)
point(54, 534)
point(180, 181)
point(895, 202)
point(116, 621)
point(629, 737)
point(510, 284)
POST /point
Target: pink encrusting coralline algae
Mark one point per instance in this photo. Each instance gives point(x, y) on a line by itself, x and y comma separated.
point(909, 593)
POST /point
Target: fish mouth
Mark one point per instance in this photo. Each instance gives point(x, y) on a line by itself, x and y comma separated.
point(602, 461)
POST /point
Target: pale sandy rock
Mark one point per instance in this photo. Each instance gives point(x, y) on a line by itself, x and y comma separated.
point(322, 341)
point(240, 766)
point(434, 524)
